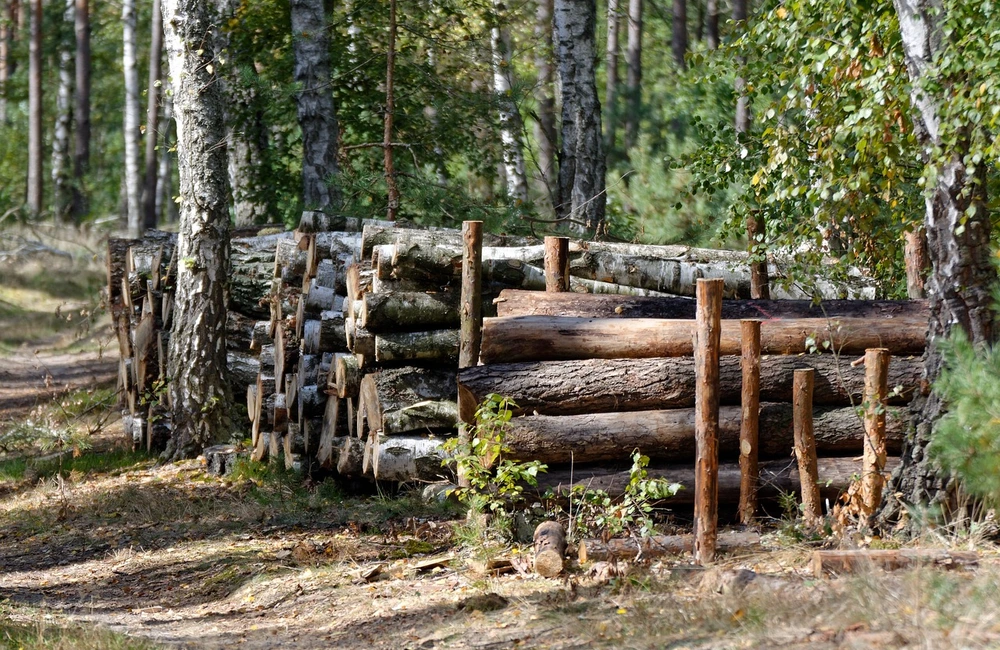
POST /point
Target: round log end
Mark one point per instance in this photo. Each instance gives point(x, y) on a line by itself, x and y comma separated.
point(548, 563)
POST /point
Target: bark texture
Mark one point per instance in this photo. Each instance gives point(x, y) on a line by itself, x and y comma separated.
point(130, 67)
point(61, 170)
point(510, 117)
point(199, 393)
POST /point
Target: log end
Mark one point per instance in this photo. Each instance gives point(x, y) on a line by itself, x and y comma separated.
point(548, 563)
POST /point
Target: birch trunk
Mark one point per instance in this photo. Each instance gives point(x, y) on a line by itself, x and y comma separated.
point(61, 171)
point(611, 81)
point(510, 117)
point(317, 117)
point(34, 199)
point(742, 102)
point(152, 117)
point(633, 82)
point(199, 393)
point(958, 229)
point(581, 159)
point(545, 125)
point(81, 114)
point(133, 179)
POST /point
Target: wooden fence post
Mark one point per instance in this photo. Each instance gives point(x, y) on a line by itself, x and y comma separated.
point(805, 443)
point(557, 263)
point(749, 421)
point(470, 316)
point(876, 388)
point(707, 338)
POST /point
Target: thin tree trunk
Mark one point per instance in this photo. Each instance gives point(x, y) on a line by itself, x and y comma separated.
point(81, 114)
point(679, 33)
point(61, 171)
point(6, 60)
point(317, 117)
point(510, 117)
point(35, 111)
point(152, 117)
point(633, 84)
point(133, 177)
point(198, 390)
point(915, 258)
point(545, 125)
point(611, 81)
point(712, 23)
point(958, 229)
point(165, 206)
point(390, 169)
point(740, 8)
point(581, 159)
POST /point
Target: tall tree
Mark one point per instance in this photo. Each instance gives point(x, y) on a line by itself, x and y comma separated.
point(61, 168)
point(314, 99)
point(611, 81)
point(153, 85)
point(581, 157)
point(742, 101)
point(35, 182)
point(133, 178)
point(509, 114)
point(7, 21)
point(545, 124)
point(166, 207)
point(81, 111)
point(958, 228)
point(390, 110)
point(679, 33)
point(633, 82)
point(198, 390)
point(712, 26)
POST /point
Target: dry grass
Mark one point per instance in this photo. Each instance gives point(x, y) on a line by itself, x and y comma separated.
point(28, 629)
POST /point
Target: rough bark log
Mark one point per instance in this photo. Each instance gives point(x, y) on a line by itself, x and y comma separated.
point(324, 335)
point(550, 549)
point(750, 420)
point(348, 377)
point(403, 400)
point(440, 346)
point(243, 369)
point(315, 221)
point(805, 445)
point(542, 338)
point(824, 563)
point(707, 336)
point(351, 457)
point(646, 548)
point(220, 460)
point(876, 388)
point(407, 459)
point(252, 271)
point(409, 311)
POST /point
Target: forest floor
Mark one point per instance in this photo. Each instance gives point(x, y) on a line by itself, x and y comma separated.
point(106, 548)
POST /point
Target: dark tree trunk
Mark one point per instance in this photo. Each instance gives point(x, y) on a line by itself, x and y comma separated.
point(712, 24)
point(34, 199)
point(958, 230)
point(545, 126)
point(611, 81)
point(679, 34)
point(81, 113)
point(390, 98)
point(199, 392)
point(152, 117)
point(6, 60)
point(633, 83)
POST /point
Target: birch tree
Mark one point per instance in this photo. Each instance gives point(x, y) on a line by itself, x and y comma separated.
point(545, 124)
point(81, 107)
point(611, 81)
point(153, 87)
point(61, 168)
point(633, 82)
point(133, 180)
point(35, 182)
point(198, 390)
point(510, 117)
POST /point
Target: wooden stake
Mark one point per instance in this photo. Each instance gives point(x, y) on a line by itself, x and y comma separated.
point(759, 282)
point(749, 429)
point(470, 314)
point(876, 388)
point(708, 331)
point(805, 443)
point(557, 264)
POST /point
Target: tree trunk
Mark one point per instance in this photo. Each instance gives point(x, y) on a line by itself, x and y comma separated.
point(317, 117)
point(166, 208)
point(679, 34)
point(915, 258)
point(612, 385)
point(611, 82)
point(198, 390)
point(392, 203)
point(61, 172)
point(133, 175)
point(81, 113)
point(152, 118)
point(509, 114)
point(633, 83)
point(581, 159)
point(958, 228)
point(742, 102)
point(35, 191)
point(6, 58)
point(545, 124)
point(712, 24)
point(542, 338)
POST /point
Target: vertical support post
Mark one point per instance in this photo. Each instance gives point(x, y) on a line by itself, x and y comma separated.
point(557, 263)
point(707, 336)
point(470, 315)
point(805, 443)
point(760, 288)
point(876, 388)
point(750, 418)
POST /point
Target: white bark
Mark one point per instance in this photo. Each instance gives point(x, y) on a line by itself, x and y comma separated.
point(510, 118)
point(133, 179)
point(545, 125)
point(61, 170)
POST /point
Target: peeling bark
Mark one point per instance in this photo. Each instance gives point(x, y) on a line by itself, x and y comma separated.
point(133, 179)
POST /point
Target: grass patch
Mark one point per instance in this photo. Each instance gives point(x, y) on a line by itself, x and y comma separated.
point(43, 635)
point(105, 462)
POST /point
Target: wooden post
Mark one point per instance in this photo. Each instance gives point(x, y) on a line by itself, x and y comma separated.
point(707, 338)
point(760, 288)
point(876, 388)
point(750, 362)
point(470, 315)
point(557, 263)
point(805, 443)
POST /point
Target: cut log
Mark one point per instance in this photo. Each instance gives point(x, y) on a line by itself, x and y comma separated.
point(243, 369)
point(220, 460)
point(348, 377)
point(406, 347)
point(351, 456)
point(409, 311)
point(542, 338)
point(252, 269)
point(289, 262)
point(116, 256)
point(403, 400)
point(512, 302)
point(312, 401)
point(261, 335)
point(853, 561)
point(777, 477)
point(654, 546)
point(438, 244)
point(669, 434)
point(315, 221)
point(405, 459)
point(320, 299)
point(324, 335)
point(550, 549)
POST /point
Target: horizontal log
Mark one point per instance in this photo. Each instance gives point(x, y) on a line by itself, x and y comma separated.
point(669, 434)
point(242, 371)
point(326, 334)
point(824, 563)
point(605, 385)
point(406, 459)
point(654, 546)
point(315, 221)
point(409, 311)
point(251, 273)
point(408, 347)
point(512, 302)
point(545, 338)
point(403, 400)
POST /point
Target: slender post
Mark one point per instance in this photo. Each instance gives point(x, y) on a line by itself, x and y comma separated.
point(557, 263)
point(471, 317)
point(876, 388)
point(760, 288)
point(805, 443)
point(749, 422)
point(707, 338)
